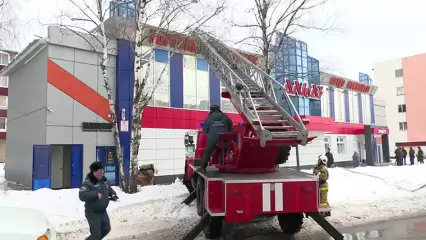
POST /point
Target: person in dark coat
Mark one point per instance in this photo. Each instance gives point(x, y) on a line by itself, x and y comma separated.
point(330, 158)
point(412, 155)
point(96, 193)
point(398, 156)
point(355, 159)
point(420, 155)
point(404, 155)
point(216, 123)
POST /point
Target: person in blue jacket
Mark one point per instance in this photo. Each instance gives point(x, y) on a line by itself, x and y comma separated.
point(96, 193)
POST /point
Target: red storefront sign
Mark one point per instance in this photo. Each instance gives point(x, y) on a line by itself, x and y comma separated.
point(359, 87)
point(380, 131)
point(183, 43)
point(302, 90)
point(350, 85)
point(337, 82)
point(249, 57)
point(171, 40)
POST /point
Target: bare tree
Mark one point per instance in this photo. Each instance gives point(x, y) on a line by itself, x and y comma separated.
point(169, 17)
point(168, 12)
point(275, 21)
point(8, 24)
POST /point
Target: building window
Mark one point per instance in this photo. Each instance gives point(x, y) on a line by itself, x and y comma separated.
point(4, 81)
point(4, 59)
point(400, 91)
point(195, 83)
point(3, 102)
point(398, 73)
point(341, 145)
point(3, 123)
point(402, 108)
point(161, 78)
point(226, 104)
point(403, 126)
point(326, 143)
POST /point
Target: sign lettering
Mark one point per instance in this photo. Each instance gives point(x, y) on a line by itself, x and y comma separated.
point(249, 57)
point(302, 90)
point(350, 85)
point(96, 127)
point(183, 43)
point(359, 87)
point(337, 82)
point(171, 40)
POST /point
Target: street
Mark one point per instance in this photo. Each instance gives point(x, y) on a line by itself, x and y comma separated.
point(411, 228)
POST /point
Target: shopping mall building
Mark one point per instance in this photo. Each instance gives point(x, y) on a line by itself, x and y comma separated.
point(400, 82)
point(60, 109)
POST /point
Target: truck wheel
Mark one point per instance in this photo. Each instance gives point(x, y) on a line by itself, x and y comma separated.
point(200, 196)
point(214, 229)
point(290, 223)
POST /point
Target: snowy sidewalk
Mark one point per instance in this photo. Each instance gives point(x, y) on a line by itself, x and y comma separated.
point(356, 196)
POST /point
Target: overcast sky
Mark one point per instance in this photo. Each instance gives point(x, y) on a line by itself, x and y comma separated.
point(371, 30)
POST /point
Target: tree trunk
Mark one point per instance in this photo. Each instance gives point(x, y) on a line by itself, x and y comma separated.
point(137, 106)
point(112, 113)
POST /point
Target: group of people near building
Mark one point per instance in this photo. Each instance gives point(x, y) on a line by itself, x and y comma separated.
point(401, 156)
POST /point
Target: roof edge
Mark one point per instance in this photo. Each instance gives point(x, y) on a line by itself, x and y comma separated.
point(26, 54)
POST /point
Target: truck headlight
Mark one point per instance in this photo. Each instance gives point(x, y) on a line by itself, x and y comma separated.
point(45, 236)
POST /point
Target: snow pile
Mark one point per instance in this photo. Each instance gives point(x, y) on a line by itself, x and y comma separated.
point(375, 193)
point(356, 196)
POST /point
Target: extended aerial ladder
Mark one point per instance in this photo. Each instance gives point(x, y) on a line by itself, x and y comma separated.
point(221, 191)
point(252, 92)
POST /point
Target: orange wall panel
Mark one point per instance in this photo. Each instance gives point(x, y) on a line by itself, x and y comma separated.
point(414, 87)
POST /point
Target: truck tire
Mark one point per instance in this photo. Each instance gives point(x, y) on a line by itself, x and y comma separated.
point(200, 196)
point(290, 223)
point(214, 228)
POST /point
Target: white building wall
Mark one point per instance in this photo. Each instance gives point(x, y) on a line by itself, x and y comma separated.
point(387, 82)
point(339, 105)
point(325, 102)
point(166, 150)
point(366, 109)
point(353, 107)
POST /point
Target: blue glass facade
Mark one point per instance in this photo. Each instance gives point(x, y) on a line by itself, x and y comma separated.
point(122, 8)
point(364, 78)
point(293, 63)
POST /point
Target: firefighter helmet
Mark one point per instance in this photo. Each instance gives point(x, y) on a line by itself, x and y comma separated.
point(323, 159)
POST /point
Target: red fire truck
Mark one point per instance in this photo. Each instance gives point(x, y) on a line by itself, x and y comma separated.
point(243, 179)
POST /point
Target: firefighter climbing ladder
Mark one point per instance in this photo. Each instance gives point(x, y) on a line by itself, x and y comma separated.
point(252, 92)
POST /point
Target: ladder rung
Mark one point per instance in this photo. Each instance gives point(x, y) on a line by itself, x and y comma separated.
point(272, 121)
point(284, 134)
point(268, 112)
point(277, 127)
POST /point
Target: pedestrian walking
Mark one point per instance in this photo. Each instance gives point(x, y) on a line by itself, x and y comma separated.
point(330, 158)
point(96, 193)
point(412, 154)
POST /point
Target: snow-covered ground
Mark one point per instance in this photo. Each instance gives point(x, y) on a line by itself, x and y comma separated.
point(356, 196)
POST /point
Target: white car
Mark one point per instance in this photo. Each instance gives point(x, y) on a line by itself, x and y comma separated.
point(24, 224)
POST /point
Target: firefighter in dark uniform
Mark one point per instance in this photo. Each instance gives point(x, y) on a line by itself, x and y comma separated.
point(216, 123)
point(96, 193)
